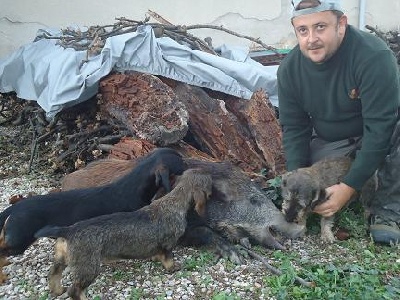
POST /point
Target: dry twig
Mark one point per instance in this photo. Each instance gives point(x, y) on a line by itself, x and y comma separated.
point(274, 270)
point(93, 39)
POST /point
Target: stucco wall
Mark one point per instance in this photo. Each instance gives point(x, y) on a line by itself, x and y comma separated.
point(265, 19)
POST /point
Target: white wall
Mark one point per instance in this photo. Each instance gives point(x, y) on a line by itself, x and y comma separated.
point(268, 20)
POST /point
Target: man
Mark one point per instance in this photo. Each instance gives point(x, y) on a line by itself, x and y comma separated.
point(339, 94)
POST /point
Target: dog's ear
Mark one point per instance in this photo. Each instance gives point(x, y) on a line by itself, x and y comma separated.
point(322, 196)
point(200, 199)
point(162, 177)
point(284, 178)
point(319, 196)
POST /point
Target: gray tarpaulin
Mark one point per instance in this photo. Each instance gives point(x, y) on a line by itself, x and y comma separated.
point(56, 77)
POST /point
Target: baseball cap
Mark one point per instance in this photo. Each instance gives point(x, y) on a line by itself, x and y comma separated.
point(323, 6)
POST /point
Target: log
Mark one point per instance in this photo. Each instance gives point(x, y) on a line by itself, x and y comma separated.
point(258, 115)
point(130, 148)
point(146, 105)
point(224, 135)
point(217, 127)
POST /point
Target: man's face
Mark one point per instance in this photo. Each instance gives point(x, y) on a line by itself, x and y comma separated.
point(319, 34)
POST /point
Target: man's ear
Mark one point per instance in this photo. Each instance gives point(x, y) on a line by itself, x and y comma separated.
point(342, 25)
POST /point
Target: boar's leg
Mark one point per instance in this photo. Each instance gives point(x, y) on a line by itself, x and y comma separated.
point(204, 236)
point(262, 236)
point(259, 235)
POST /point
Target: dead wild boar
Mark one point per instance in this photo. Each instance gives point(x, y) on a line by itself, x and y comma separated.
point(239, 209)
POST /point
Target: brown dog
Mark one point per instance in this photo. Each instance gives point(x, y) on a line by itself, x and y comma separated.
point(151, 231)
point(304, 188)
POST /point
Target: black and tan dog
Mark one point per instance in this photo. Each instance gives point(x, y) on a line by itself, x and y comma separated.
point(19, 222)
point(151, 231)
point(304, 188)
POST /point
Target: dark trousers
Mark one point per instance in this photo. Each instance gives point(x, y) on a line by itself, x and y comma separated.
point(386, 201)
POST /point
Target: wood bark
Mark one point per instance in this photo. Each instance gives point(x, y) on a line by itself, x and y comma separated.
point(245, 132)
point(196, 123)
point(146, 105)
point(258, 115)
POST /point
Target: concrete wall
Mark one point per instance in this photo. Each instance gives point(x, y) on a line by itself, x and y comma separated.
point(268, 20)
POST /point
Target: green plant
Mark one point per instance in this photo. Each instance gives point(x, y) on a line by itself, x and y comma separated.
point(225, 296)
point(356, 268)
point(120, 275)
point(44, 296)
point(136, 294)
point(274, 190)
point(332, 282)
point(204, 259)
point(352, 219)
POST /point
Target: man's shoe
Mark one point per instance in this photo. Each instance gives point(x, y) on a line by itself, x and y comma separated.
point(383, 231)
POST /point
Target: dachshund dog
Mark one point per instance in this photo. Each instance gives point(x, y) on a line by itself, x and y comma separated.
point(304, 188)
point(20, 221)
point(151, 231)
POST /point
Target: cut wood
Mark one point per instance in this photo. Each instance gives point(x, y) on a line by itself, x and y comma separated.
point(146, 105)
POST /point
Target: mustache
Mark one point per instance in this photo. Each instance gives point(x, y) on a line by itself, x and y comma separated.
point(314, 46)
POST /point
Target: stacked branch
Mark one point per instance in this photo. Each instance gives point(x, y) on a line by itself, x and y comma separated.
point(93, 39)
point(391, 38)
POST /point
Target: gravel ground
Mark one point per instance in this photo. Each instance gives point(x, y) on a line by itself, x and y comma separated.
point(125, 279)
point(130, 279)
point(201, 277)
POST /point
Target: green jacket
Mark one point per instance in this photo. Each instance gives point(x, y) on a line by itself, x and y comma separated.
point(354, 93)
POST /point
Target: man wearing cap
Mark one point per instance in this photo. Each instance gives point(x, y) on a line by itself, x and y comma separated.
point(339, 94)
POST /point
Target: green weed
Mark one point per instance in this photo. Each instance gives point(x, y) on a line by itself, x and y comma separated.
point(225, 296)
point(204, 259)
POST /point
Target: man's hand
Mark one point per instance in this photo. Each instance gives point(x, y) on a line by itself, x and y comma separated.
point(338, 195)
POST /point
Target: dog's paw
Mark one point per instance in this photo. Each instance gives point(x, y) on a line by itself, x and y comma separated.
point(174, 267)
point(55, 286)
point(3, 278)
point(328, 237)
point(57, 290)
point(4, 262)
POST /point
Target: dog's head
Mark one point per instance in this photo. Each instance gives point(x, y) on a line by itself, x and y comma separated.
point(301, 191)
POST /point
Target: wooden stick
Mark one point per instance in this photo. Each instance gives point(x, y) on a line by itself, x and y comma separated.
point(274, 270)
point(74, 39)
point(33, 147)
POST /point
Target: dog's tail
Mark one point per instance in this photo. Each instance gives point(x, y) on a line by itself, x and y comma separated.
point(51, 232)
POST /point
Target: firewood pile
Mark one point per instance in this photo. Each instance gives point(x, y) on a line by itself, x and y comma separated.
point(391, 38)
point(166, 112)
point(135, 112)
